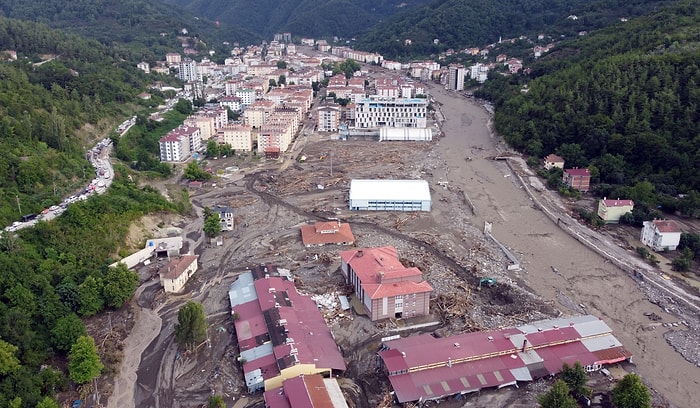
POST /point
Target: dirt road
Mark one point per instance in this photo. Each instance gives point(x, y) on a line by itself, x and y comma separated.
point(583, 277)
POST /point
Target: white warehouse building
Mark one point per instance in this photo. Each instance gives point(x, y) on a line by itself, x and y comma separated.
point(389, 195)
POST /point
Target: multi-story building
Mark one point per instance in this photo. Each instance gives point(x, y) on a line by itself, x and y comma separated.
point(247, 95)
point(179, 144)
point(661, 235)
point(188, 71)
point(455, 80)
point(328, 118)
point(239, 137)
point(376, 111)
point(386, 288)
point(611, 211)
point(258, 112)
point(173, 58)
point(579, 179)
point(231, 102)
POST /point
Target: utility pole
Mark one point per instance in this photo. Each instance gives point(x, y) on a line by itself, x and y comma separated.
point(18, 206)
point(331, 164)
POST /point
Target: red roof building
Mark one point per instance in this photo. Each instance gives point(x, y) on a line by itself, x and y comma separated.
point(427, 368)
point(312, 391)
point(385, 287)
point(281, 333)
point(578, 179)
point(324, 233)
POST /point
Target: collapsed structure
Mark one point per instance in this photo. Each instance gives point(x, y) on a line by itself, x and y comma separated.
point(426, 368)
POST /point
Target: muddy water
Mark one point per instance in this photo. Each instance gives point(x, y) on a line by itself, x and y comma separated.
point(582, 276)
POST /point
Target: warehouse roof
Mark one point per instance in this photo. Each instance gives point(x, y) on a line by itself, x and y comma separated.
point(390, 190)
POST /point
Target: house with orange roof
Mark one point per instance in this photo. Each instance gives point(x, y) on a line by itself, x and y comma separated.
point(661, 235)
point(384, 285)
point(327, 233)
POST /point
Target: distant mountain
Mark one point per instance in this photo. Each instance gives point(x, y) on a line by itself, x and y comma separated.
point(138, 23)
point(469, 23)
point(343, 18)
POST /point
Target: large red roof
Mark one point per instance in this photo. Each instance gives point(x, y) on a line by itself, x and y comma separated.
point(381, 273)
point(425, 367)
point(666, 226)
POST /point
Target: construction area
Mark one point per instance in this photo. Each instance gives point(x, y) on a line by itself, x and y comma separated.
point(475, 286)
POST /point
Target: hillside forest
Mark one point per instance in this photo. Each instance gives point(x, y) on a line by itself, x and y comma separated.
point(622, 102)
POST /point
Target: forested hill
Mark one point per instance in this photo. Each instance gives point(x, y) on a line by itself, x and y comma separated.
point(43, 104)
point(59, 87)
point(343, 18)
point(137, 23)
point(474, 23)
point(624, 102)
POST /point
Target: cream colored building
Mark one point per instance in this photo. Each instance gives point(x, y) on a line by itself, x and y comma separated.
point(239, 137)
point(610, 211)
point(175, 274)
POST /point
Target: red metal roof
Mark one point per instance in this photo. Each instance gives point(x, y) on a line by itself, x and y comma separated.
point(578, 172)
point(424, 367)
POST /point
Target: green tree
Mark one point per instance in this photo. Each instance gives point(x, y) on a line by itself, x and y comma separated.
point(8, 359)
point(630, 392)
point(83, 361)
point(120, 284)
point(191, 326)
point(213, 148)
point(183, 106)
point(194, 172)
point(557, 397)
point(47, 402)
point(90, 296)
point(216, 401)
point(66, 332)
point(281, 64)
point(575, 378)
point(212, 225)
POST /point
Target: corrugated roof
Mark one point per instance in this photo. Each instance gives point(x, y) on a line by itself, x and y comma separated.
point(429, 368)
point(390, 190)
point(242, 290)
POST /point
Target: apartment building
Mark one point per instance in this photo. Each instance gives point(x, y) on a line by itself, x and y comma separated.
point(239, 137)
point(377, 111)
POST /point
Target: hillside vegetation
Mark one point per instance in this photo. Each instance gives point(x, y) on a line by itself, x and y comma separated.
point(56, 272)
point(469, 23)
point(147, 28)
point(315, 18)
point(623, 101)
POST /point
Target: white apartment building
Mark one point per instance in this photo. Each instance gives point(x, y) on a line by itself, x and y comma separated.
point(479, 72)
point(239, 137)
point(179, 144)
point(247, 96)
point(188, 71)
point(231, 102)
point(661, 235)
point(376, 111)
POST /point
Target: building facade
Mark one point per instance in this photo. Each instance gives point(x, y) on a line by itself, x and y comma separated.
point(390, 195)
point(552, 161)
point(661, 235)
point(578, 179)
point(175, 274)
point(385, 287)
point(239, 137)
point(328, 118)
point(376, 111)
point(455, 79)
point(179, 144)
point(610, 211)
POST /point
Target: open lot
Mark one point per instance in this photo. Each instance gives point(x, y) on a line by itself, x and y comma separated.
point(560, 274)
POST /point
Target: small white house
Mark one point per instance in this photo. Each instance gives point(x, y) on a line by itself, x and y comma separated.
point(175, 274)
point(661, 235)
